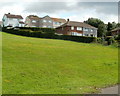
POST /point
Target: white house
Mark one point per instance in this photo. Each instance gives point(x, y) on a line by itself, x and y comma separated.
point(11, 20)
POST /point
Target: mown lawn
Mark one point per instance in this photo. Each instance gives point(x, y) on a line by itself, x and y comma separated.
point(46, 66)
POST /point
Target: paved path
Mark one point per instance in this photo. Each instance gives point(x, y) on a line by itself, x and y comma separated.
point(110, 90)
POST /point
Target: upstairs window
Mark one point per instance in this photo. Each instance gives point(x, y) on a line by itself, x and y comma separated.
point(50, 21)
point(44, 20)
point(72, 28)
point(85, 29)
point(91, 30)
point(79, 28)
point(33, 21)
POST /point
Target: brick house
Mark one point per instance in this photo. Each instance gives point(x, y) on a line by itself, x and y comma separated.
point(12, 20)
point(32, 21)
point(44, 22)
point(76, 29)
point(116, 31)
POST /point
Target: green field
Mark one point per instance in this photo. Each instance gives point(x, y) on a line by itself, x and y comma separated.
point(46, 66)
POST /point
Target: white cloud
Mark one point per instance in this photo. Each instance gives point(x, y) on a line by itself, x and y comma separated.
point(60, 9)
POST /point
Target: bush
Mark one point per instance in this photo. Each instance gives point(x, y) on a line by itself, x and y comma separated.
point(47, 33)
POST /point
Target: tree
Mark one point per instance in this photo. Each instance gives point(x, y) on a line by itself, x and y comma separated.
point(101, 30)
point(94, 22)
point(98, 24)
point(109, 28)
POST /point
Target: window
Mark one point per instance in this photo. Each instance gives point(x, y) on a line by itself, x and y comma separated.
point(91, 35)
point(49, 26)
point(50, 21)
point(33, 21)
point(76, 34)
point(44, 26)
point(14, 19)
point(33, 26)
point(79, 28)
point(72, 28)
point(91, 30)
point(44, 20)
point(86, 34)
point(85, 29)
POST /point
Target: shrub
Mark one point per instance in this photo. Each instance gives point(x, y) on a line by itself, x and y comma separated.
point(47, 33)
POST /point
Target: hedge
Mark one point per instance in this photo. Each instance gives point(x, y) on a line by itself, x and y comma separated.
point(47, 33)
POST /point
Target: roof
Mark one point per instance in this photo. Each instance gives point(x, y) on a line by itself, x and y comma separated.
point(21, 22)
point(118, 28)
point(33, 17)
point(78, 24)
point(58, 20)
point(0, 22)
point(13, 16)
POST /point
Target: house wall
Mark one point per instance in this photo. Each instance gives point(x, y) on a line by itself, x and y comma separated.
point(57, 24)
point(30, 22)
point(5, 21)
point(117, 32)
point(89, 32)
point(46, 24)
point(66, 30)
point(11, 21)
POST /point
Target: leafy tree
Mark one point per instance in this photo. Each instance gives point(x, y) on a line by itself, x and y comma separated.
point(98, 24)
point(102, 30)
point(94, 22)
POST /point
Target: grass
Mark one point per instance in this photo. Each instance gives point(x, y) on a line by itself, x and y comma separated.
point(46, 66)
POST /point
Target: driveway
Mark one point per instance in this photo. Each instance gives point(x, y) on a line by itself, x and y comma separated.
point(110, 90)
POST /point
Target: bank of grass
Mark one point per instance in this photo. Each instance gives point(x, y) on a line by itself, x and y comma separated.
point(46, 66)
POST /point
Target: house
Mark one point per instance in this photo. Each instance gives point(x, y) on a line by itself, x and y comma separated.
point(76, 29)
point(46, 22)
point(12, 20)
point(43, 22)
point(0, 25)
point(116, 31)
point(32, 21)
point(58, 22)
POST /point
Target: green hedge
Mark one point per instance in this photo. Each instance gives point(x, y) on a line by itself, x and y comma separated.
point(47, 33)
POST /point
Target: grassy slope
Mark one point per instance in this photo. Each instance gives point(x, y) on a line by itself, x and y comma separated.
point(44, 66)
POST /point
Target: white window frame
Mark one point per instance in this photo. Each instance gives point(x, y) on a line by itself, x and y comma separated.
point(44, 20)
point(79, 28)
point(85, 29)
point(72, 27)
point(33, 26)
point(91, 30)
point(44, 26)
point(49, 26)
point(34, 21)
point(50, 21)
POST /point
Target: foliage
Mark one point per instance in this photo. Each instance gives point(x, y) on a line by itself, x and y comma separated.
point(48, 33)
point(94, 22)
point(101, 30)
point(98, 24)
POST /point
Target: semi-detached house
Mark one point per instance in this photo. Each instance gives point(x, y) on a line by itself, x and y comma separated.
point(76, 29)
point(44, 22)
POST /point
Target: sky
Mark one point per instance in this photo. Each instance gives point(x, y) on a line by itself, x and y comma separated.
point(75, 10)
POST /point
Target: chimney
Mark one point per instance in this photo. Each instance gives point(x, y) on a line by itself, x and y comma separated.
point(68, 20)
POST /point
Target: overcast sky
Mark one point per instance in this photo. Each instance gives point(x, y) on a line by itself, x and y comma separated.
point(75, 10)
